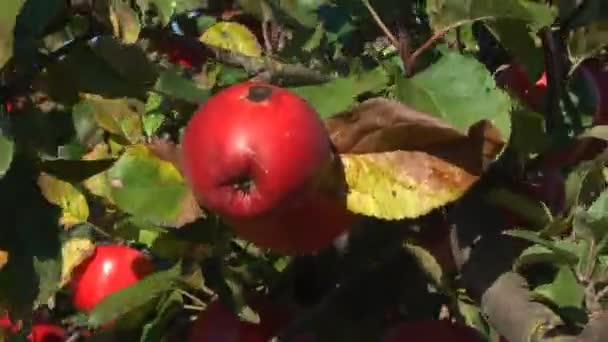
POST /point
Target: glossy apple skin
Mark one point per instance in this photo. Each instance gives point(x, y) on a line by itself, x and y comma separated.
point(431, 331)
point(47, 333)
point(109, 269)
point(259, 156)
point(218, 324)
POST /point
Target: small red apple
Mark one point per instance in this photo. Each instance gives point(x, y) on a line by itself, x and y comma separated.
point(218, 324)
point(47, 333)
point(184, 51)
point(7, 323)
point(431, 331)
point(109, 269)
point(514, 79)
point(260, 157)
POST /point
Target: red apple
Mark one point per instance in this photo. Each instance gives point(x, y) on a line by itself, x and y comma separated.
point(109, 269)
point(596, 73)
point(218, 324)
point(259, 156)
point(47, 333)
point(514, 79)
point(431, 331)
point(183, 50)
point(7, 323)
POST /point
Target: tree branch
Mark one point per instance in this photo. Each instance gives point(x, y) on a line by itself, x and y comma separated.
point(269, 69)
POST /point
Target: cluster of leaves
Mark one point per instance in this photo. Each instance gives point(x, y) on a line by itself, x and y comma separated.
point(95, 93)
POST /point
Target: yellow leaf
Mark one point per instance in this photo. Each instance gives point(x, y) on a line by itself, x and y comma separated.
point(122, 117)
point(72, 202)
point(234, 37)
point(402, 184)
point(74, 251)
point(124, 21)
point(98, 185)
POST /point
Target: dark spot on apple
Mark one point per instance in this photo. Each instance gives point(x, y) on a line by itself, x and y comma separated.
point(243, 184)
point(259, 93)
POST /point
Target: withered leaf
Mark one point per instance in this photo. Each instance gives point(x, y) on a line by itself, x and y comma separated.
point(383, 125)
point(401, 163)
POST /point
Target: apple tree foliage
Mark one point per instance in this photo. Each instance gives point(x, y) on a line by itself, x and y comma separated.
point(463, 188)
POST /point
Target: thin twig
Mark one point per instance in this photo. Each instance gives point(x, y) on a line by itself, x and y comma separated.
point(192, 297)
point(411, 61)
point(381, 24)
point(195, 307)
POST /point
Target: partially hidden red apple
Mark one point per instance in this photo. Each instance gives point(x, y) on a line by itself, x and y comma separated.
point(110, 268)
point(183, 50)
point(47, 333)
point(8, 324)
point(597, 72)
point(514, 79)
point(218, 324)
point(260, 157)
point(431, 331)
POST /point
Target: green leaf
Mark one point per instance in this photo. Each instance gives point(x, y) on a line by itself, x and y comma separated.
point(517, 39)
point(105, 68)
point(534, 237)
point(122, 117)
point(589, 226)
point(167, 8)
point(531, 210)
point(135, 296)
point(155, 329)
point(7, 149)
point(589, 29)
point(565, 290)
point(344, 91)
point(151, 188)
point(459, 90)
point(8, 15)
point(172, 84)
point(584, 183)
point(448, 14)
point(537, 254)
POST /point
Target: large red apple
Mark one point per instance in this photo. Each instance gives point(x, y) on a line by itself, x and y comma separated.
point(218, 324)
point(431, 331)
point(260, 157)
point(109, 269)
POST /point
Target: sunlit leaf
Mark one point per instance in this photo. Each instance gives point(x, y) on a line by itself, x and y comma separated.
point(233, 37)
point(151, 188)
point(402, 184)
point(74, 251)
point(72, 202)
point(440, 90)
point(122, 117)
point(124, 21)
point(344, 91)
